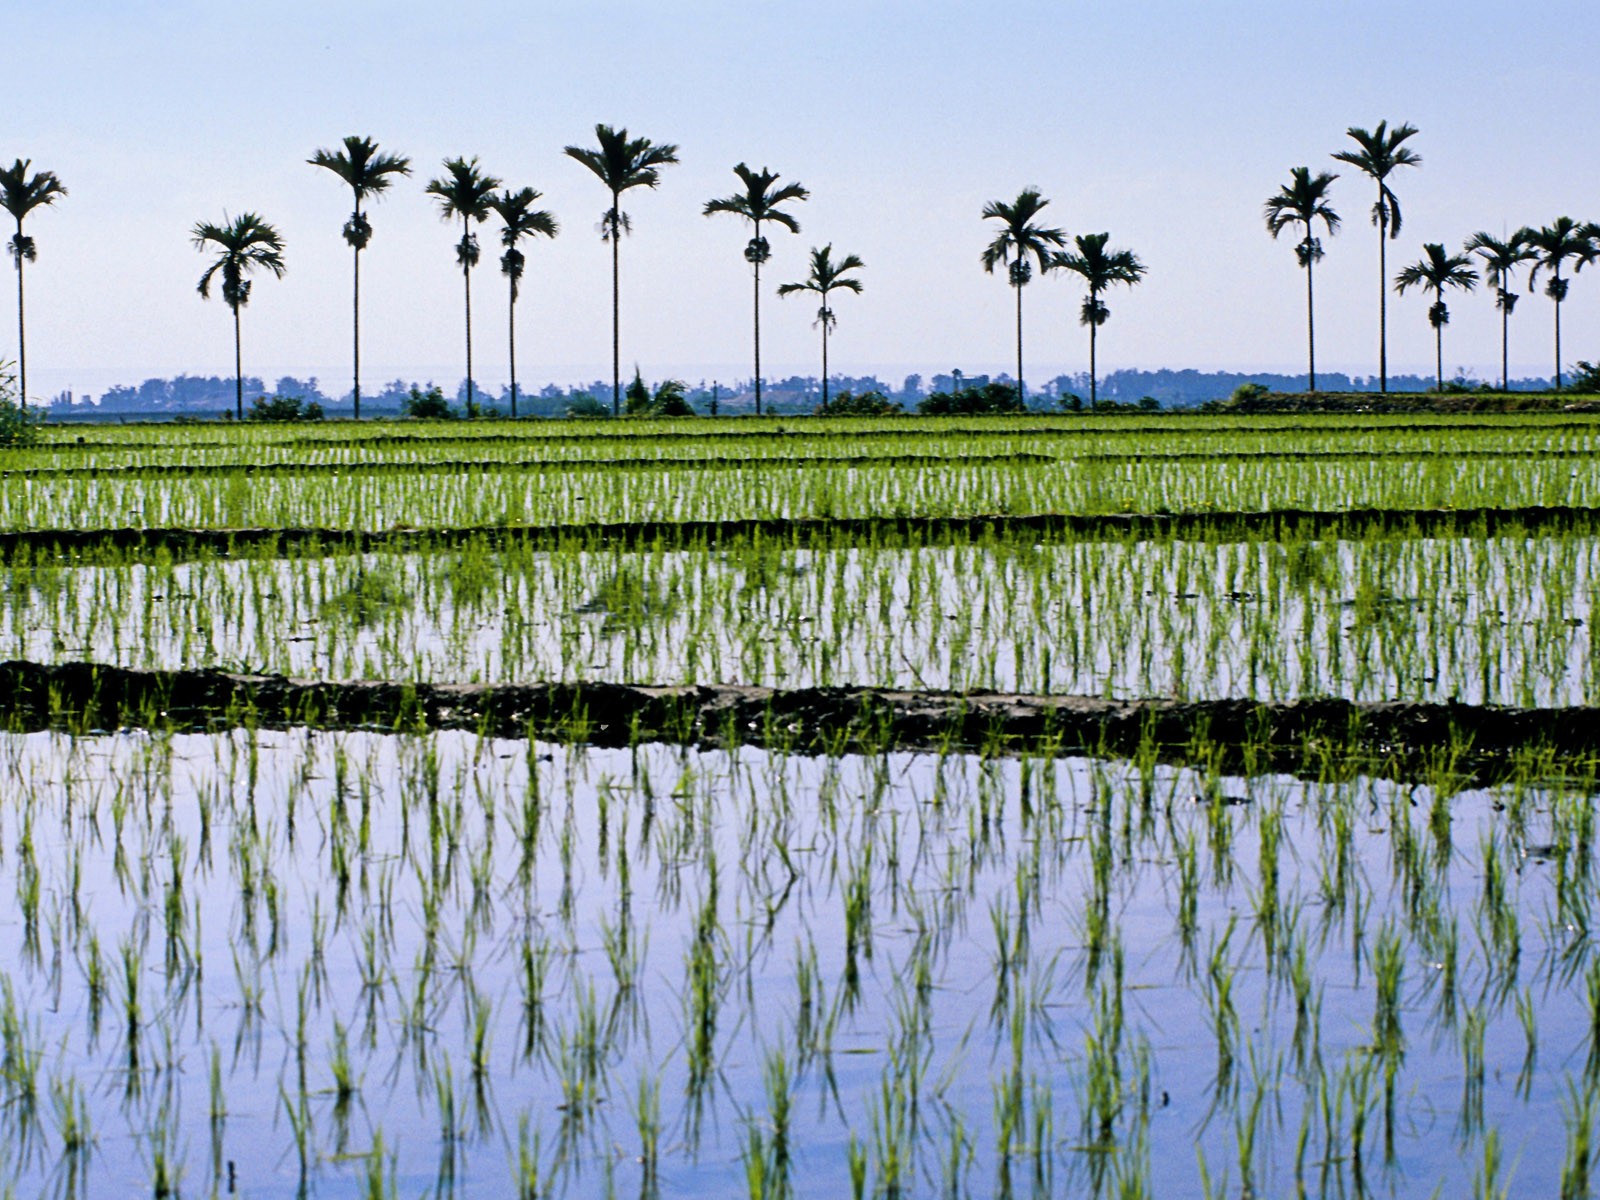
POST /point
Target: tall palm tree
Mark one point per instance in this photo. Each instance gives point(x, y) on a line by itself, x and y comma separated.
point(1018, 238)
point(621, 163)
point(1552, 245)
point(465, 192)
point(827, 276)
point(1100, 268)
point(521, 220)
point(20, 194)
point(243, 246)
point(1303, 201)
point(1434, 272)
point(1501, 257)
point(757, 203)
point(367, 174)
point(1379, 152)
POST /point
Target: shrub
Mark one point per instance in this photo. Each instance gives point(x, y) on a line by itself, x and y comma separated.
point(427, 406)
point(584, 405)
point(1071, 402)
point(1585, 377)
point(1247, 392)
point(993, 399)
point(283, 408)
point(847, 404)
point(18, 426)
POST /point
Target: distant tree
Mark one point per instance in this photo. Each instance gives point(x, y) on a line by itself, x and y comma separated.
point(1100, 269)
point(367, 174)
point(621, 163)
point(464, 191)
point(427, 405)
point(1552, 245)
point(1018, 238)
point(1303, 201)
point(757, 203)
point(521, 220)
point(1501, 258)
point(243, 246)
point(827, 276)
point(1434, 272)
point(1378, 154)
point(20, 194)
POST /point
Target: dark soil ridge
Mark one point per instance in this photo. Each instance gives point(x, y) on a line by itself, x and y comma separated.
point(33, 545)
point(1481, 739)
point(553, 465)
point(1037, 425)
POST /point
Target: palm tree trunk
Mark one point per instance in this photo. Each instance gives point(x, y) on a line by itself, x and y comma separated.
point(238, 370)
point(1311, 322)
point(1505, 355)
point(758, 321)
point(22, 340)
point(356, 336)
point(1093, 392)
point(1383, 295)
point(1019, 344)
point(824, 354)
point(511, 340)
point(616, 309)
point(1438, 359)
point(466, 279)
point(1558, 334)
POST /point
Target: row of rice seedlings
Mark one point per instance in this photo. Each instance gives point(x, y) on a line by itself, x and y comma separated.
point(1485, 620)
point(498, 965)
point(399, 446)
point(471, 499)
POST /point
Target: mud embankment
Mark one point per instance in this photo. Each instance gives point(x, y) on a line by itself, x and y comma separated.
point(1481, 740)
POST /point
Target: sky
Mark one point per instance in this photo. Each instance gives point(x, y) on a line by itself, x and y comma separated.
point(1165, 123)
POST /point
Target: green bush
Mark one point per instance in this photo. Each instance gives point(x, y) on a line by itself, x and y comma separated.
point(992, 399)
point(847, 404)
point(427, 406)
point(586, 406)
point(283, 408)
point(18, 426)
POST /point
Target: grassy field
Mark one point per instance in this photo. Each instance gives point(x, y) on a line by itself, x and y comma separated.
point(825, 934)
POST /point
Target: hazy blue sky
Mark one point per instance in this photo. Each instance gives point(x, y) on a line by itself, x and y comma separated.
point(1165, 123)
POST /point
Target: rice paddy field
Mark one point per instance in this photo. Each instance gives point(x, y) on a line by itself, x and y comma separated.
point(1096, 806)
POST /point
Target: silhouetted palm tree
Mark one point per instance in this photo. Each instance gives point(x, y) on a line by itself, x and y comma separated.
point(465, 192)
point(521, 220)
point(1553, 245)
point(826, 276)
point(20, 194)
point(1501, 257)
point(243, 245)
point(366, 173)
point(621, 163)
point(757, 203)
point(1434, 272)
point(1303, 201)
point(1100, 268)
point(1018, 238)
point(1378, 154)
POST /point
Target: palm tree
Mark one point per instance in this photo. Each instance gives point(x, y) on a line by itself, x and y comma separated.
point(465, 192)
point(20, 194)
point(366, 173)
point(1100, 269)
point(621, 163)
point(1501, 257)
point(1302, 201)
point(826, 276)
point(1379, 153)
point(1018, 238)
point(243, 245)
point(521, 220)
point(1551, 246)
point(1434, 272)
point(757, 203)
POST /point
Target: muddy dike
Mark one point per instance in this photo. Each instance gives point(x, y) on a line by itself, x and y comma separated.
point(23, 546)
point(1478, 741)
